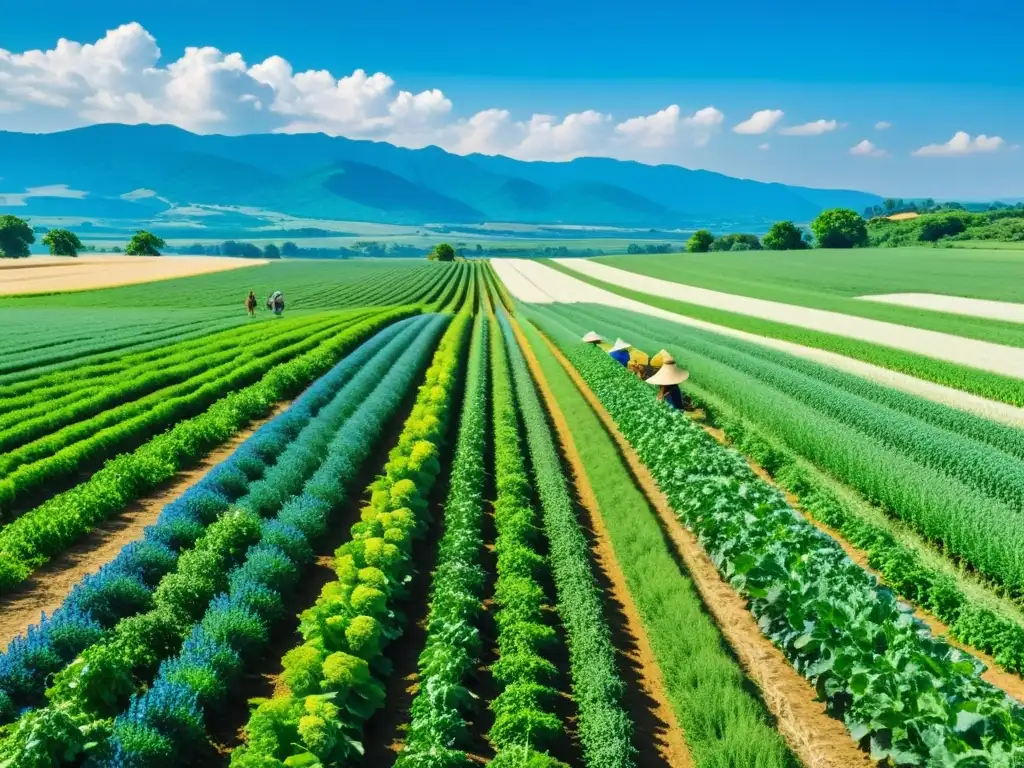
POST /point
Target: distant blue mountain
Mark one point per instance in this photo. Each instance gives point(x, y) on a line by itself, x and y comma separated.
point(317, 176)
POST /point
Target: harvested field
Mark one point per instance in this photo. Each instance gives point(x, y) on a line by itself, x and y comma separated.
point(55, 274)
point(957, 305)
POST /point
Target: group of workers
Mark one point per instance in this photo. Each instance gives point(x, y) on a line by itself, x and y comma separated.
point(667, 377)
point(275, 303)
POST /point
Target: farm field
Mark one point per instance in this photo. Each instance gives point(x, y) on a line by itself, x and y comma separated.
point(416, 522)
point(46, 274)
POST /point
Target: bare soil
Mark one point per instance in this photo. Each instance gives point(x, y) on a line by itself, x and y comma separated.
point(47, 588)
point(816, 739)
point(658, 737)
point(55, 274)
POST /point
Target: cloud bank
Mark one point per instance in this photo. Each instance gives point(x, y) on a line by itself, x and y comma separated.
point(120, 78)
point(961, 144)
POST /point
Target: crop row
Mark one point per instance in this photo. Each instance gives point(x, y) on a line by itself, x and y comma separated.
point(44, 465)
point(438, 728)
point(334, 676)
point(252, 549)
point(525, 721)
point(141, 390)
point(604, 727)
point(721, 718)
point(116, 591)
point(902, 566)
point(29, 541)
point(945, 507)
point(861, 649)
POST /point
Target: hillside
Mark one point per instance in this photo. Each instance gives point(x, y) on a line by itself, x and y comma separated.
point(313, 175)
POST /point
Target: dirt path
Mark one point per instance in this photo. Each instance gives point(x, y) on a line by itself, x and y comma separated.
point(524, 279)
point(47, 588)
point(1008, 682)
point(646, 701)
point(818, 740)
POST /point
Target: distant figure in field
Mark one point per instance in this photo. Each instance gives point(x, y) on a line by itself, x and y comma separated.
point(276, 302)
point(620, 352)
point(592, 338)
point(667, 380)
point(250, 303)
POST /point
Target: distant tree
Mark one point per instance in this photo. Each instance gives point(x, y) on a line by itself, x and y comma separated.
point(144, 243)
point(700, 241)
point(941, 225)
point(271, 251)
point(839, 228)
point(289, 250)
point(784, 236)
point(740, 246)
point(479, 251)
point(726, 242)
point(116, 249)
point(442, 252)
point(196, 249)
point(15, 237)
point(889, 204)
point(62, 242)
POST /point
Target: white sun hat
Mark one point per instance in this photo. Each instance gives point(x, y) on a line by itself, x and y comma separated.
point(619, 345)
point(663, 354)
point(669, 374)
point(592, 338)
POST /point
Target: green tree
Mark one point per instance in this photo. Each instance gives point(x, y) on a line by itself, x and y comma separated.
point(442, 252)
point(62, 242)
point(700, 241)
point(15, 237)
point(271, 252)
point(784, 236)
point(840, 228)
point(726, 242)
point(144, 244)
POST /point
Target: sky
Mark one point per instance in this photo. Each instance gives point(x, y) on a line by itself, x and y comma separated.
point(923, 99)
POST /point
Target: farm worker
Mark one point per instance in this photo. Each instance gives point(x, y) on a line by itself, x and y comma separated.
point(667, 380)
point(620, 352)
point(276, 302)
point(250, 303)
point(659, 359)
point(592, 338)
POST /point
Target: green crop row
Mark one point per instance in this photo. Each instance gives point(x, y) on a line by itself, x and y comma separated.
point(29, 542)
point(334, 676)
point(525, 722)
point(981, 530)
point(909, 698)
point(604, 727)
point(438, 727)
point(901, 565)
point(722, 721)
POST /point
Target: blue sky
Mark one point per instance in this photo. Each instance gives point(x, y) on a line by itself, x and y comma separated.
point(476, 73)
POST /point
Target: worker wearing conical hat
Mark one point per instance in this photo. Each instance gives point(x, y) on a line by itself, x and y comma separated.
point(620, 352)
point(592, 338)
point(667, 380)
point(659, 359)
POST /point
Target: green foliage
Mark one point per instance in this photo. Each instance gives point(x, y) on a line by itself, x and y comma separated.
point(818, 607)
point(144, 244)
point(839, 228)
point(948, 226)
point(700, 241)
point(784, 236)
point(271, 251)
point(16, 236)
point(62, 242)
point(605, 729)
point(442, 252)
point(730, 242)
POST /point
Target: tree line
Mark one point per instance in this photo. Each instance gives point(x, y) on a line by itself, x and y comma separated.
point(17, 236)
point(834, 228)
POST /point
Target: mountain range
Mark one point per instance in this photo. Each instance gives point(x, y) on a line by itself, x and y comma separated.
point(120, 171)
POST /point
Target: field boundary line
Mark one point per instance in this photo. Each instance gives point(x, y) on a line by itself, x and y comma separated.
point(671, 745)
point(819, 741)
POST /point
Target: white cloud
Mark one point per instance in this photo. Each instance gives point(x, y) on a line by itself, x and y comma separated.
point(813, 128)
point(867, 149)
point(961, 144)
point(121, 78)
point(882, 125)
point(764, 146)
point(761, 121)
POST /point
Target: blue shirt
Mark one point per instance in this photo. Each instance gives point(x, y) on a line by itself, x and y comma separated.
point(620, 356)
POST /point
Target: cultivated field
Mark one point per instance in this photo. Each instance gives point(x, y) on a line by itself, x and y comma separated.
point(49, 274)
point(416, 522)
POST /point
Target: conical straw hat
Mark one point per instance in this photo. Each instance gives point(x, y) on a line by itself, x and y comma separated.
point(592, 338)
point(669, 374)
point(620, 344)
point(661, 356)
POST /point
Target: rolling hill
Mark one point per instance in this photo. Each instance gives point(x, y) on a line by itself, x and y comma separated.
point(317, 176)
